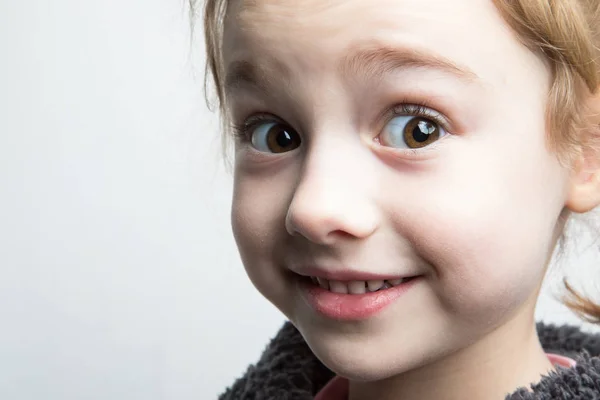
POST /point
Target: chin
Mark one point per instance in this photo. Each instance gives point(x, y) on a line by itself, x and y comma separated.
point(362, 360)
point(364, 368)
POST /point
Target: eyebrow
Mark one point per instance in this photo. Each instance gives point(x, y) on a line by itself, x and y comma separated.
point(244, 73)
point(366, 62)
point(375, 62)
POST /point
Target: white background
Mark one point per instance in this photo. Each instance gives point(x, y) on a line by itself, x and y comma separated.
point(119, 277)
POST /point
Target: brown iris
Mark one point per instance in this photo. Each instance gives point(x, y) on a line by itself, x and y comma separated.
point(280, 138)
point(420, 132)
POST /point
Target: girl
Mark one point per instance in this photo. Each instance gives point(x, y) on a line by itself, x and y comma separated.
point(403, 171)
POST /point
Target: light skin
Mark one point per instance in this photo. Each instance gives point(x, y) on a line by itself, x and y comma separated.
point(476, 211)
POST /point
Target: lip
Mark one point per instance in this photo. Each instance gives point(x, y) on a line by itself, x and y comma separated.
point(346, 275)
point(351, 307)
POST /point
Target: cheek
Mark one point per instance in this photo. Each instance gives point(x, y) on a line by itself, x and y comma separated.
point(257, 217)
point(486, 232)
point(260, 201)
point(490, 263)
point(256, 213)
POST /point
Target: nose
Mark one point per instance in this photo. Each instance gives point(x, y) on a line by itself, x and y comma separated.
point(332, 203)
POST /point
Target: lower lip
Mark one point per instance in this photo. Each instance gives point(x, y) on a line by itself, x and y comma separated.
point(352, 307)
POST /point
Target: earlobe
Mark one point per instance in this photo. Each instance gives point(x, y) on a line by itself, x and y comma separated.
point(584, 188)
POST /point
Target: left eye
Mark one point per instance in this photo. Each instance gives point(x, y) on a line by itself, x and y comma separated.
point(412, 132)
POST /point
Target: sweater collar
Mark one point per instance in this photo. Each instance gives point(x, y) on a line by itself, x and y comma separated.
point(288, 369)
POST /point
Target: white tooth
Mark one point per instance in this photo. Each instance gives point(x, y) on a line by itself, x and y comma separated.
point(314, 280)
point(395, 282)
point(324, 283)
point(357, 287)
point(374, 285)
point(338, 287)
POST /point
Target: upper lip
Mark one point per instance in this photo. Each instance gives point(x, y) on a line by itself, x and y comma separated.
point(347, 274)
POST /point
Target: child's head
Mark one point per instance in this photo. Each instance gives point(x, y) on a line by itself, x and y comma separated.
point(440, 139)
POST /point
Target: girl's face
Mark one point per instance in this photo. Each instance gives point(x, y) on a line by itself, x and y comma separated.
point(394, 138)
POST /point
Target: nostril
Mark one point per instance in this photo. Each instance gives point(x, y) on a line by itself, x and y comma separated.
point(341, 234)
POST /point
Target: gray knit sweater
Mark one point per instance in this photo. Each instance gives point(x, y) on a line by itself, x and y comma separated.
point(288, 370)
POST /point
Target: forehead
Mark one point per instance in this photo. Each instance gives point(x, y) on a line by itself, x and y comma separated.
point(303, 36)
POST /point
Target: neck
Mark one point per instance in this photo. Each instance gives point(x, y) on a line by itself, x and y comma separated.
point(506, 359)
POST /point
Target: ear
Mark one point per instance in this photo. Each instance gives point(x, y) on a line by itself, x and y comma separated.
point(584, 186)
point(584, 190)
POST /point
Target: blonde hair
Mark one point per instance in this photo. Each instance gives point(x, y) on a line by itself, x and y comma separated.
point(566, 33)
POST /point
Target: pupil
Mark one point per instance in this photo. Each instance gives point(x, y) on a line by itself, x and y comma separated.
point(284, 139)
point(422, 131)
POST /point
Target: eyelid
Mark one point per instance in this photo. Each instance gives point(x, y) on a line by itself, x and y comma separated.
point(260, 118)
point(243, 130)
point(420, 110)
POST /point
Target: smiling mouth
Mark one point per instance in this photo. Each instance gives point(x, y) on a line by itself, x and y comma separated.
point(351, 300)
point(356, 287)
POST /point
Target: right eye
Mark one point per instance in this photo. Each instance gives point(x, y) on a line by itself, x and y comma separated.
point(274, 137)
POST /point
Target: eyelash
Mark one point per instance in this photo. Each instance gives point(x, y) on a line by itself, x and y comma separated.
point(243, 131)
point(418, 109)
